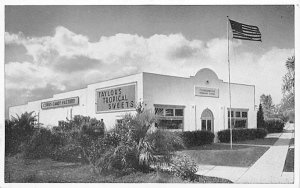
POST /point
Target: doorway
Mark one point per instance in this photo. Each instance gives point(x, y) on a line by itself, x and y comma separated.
point(207, 120)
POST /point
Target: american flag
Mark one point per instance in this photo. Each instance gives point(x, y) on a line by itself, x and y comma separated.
point(244, 31)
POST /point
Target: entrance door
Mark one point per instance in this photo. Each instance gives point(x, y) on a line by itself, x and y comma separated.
point(207, 120)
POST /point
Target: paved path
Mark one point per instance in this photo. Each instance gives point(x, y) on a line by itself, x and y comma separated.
point(267, 169)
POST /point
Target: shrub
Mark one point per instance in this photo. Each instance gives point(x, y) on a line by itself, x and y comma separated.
point(92, 131)
point(68, 153)
point(241, 134)
point(224, 135)
point(112, 138)
point(261, 133)
point(136, 144)
point(166, 142)
point(77, 137)
point(184, 167)
point(11, 141)
point(274, 125)
point(41, 144)
point(197, 138)
point(98, 154)
point(90, 126)
point(135, 148)
point(18, 131)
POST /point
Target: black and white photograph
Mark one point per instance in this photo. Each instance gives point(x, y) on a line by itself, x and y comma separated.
point(149, 93)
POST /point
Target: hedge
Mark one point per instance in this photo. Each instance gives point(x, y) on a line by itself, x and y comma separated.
point(241, 134)
point(197, 138)
point(41, 144)
point(274, 125)
point(68, 153)
point(261, 133)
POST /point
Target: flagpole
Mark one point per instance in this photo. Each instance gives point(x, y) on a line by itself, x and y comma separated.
point(229, 88)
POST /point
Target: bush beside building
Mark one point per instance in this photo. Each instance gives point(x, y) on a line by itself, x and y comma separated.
point(241, 134)
point(197, 138)
point(274, 125)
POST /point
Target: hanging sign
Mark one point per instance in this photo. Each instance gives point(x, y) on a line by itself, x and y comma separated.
point(117, 98)
point(206, 92)
point(60, 103)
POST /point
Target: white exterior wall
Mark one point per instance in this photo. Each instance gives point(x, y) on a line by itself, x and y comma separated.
point(13, 111)
point(155, 89)
point(243, 96)
point(169, 90)
point(50, 117)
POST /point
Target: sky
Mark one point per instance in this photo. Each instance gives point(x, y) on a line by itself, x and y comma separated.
point(53, 49)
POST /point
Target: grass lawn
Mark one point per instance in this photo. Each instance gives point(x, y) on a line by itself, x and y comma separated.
point(222, 155)
point(289, 161)
point(263, 141)
point(292, 142)
point(49, 171)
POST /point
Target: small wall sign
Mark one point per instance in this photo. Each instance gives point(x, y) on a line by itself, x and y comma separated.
point(206, 92)
point(60, 103)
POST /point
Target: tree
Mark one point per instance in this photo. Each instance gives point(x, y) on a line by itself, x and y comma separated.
point(260, 117)
point(288, 86)
point(24, 125)
point(267, 105)
point(18, 130)
point(287, 104)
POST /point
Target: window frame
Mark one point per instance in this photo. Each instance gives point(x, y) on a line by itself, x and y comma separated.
point(167, 113)
point(174, 117)
point(246, 115)
point(234, 118)
point(179, 109)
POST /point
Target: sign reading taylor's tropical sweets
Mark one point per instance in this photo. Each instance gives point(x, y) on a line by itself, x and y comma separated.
point(118, 98)
point(206, 92)
point(60, 103)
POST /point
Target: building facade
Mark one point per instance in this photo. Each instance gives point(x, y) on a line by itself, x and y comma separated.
point(199, 102)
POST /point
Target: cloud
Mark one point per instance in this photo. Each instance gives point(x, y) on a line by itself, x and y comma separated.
point(13, 38)
point(183, 52)
point(76, 64)
point(68, 60)
point(30, 76)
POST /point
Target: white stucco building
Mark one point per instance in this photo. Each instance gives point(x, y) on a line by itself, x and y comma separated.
point(199, 102)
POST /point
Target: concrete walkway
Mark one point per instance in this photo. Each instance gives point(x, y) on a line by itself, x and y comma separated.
point(267, 169)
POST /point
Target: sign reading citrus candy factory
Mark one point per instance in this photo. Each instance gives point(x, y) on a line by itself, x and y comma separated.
point(117, 98)
point(60, 103)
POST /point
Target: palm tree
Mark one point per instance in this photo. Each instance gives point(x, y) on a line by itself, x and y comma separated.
point(145, 145)
point(288, 86)
point(24, 124)
point(288, 89)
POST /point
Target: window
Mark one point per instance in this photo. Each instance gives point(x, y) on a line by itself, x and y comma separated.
point(239, 118)
point(170, 124)
point(159, 111)
point(169, 112)
point(170, 116)
point(206, 125)
point(178, 112)
point(240, 123)
point(231, 113)
point(207, 120)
